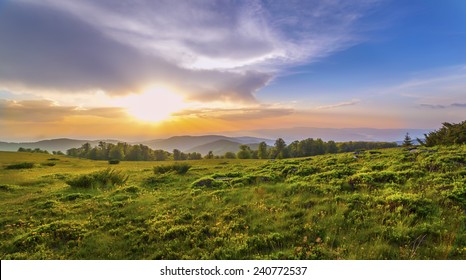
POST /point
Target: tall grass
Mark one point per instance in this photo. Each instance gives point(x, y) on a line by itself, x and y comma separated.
point(105, 178)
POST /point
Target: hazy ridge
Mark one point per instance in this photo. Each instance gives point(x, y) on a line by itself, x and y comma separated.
point(222, 143)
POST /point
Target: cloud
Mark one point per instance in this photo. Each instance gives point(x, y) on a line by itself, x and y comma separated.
point(433, 106)
point(243, 114)
point(341, 104)
point(438, 106)
point(48, 111)
point(210, 50)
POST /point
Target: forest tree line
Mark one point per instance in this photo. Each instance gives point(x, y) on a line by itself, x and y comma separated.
point(303, 148)
point(125, 151)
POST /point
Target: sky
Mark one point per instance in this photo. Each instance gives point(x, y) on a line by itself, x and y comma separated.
point(143, 69)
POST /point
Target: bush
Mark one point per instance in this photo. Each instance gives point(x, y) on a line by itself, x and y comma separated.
point(113, 161)
point(104, 178)
point(208, 182)
point(22, 165)
point(179, 168)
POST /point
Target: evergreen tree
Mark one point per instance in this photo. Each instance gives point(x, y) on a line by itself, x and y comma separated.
point(407, 142)
point(448, 134)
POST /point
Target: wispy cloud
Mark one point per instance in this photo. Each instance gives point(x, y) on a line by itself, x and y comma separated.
point(337, 105)
point(438, 106)
point(432, 106)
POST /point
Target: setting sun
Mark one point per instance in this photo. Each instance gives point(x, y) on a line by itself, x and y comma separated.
point(155, 104)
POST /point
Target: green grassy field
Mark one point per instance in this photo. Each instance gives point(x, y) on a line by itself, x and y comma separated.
point(384, 204)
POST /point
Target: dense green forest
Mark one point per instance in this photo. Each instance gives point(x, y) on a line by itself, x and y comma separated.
point(304, 148)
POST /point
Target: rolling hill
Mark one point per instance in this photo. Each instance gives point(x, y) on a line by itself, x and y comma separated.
point(220, 147)
point(61, 144)
point(188, 143)
point(183, 143)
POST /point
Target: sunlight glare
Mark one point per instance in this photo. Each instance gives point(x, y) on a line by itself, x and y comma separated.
point(153, 105)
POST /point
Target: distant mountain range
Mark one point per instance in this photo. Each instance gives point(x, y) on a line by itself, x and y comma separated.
point(190, 143)
point(220, 144)
point(201, 144)
point(220, 147)
point(61, 144)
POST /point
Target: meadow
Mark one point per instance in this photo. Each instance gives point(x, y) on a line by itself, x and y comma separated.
point(377, 204)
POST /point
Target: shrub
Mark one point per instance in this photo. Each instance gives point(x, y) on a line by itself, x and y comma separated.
point(161, 169)
point(208, 182)
point(104, 178)
point(179, 168)
point(48, 164)
point(22, 165)
point(113, 161)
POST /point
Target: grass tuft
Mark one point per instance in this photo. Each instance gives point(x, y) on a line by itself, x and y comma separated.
point(105, 178)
